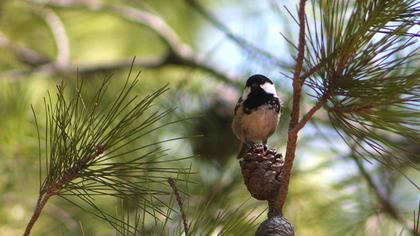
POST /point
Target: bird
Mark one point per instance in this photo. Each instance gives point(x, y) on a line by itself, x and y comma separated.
point(256, 113)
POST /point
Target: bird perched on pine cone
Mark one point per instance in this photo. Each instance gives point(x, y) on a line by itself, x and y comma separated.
point(257, 112)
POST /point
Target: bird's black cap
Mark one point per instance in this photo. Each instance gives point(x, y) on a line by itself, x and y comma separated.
point(257, 79)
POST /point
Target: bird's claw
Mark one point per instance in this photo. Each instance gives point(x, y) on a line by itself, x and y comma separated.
point(265, 149)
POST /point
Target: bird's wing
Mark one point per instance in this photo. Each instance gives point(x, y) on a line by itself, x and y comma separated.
point(238, 104)
point(274, 104)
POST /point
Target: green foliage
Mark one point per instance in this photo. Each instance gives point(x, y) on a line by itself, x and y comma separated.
point(366, 56)
point(202, 219)
point(88, 151)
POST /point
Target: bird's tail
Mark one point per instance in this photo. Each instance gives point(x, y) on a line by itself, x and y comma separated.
point(242, 150)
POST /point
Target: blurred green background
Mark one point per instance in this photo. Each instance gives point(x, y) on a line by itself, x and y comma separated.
point(43, 42)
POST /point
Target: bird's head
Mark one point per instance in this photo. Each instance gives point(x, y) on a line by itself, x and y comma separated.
point(259, 85)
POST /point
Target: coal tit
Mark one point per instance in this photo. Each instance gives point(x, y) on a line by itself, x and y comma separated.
point(257, 112)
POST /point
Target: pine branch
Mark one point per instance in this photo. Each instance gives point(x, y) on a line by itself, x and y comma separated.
point(47, 191)
point(91, 151)
point(42, 200)
point(373, 93)
point(330, 60)
point(38, 62)
point(233, 220)
point(172, 183)
point(310, 113)
point(294, 119)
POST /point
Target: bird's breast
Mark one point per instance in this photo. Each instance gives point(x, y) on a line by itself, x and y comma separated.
point(257, 125)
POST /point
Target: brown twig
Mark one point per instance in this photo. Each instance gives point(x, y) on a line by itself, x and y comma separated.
point(42, 200)
point(311, 71)
point(51, 209)
point(294, 120)
point(54, 188)
point(310, 113)
point(172, 183)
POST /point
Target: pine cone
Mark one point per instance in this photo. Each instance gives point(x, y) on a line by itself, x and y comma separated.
point(275, 226)
point(261, 172)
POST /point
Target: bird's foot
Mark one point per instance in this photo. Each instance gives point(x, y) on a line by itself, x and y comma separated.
point(250, 146)
point(265, 147)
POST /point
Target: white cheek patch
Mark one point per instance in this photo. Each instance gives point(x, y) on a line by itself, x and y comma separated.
point(269, 88)
point(245, 94)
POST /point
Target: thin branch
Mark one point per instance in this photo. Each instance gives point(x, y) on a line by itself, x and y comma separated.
point(53, 189)
point(294, 120)
point(248, 46)
point(52, 68)
point(310, 72)
point(386, 205)
point(310, 113)
point(155, 23)
point(416, 220)
point(172, 183)
point(145, 62)
point(64, 216)
point(42, 200)
point(61, 40)
point(24, 54)
point(50, 209)
point(178, 53)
